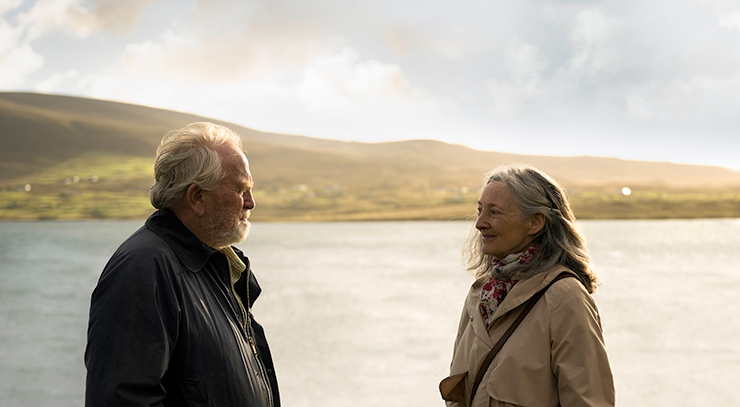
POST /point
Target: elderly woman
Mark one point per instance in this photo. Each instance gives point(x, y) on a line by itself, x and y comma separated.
point(527, 253)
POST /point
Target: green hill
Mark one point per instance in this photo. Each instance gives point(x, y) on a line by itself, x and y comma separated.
point(74, 158)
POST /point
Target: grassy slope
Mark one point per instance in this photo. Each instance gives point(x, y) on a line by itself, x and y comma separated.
point(47, 140)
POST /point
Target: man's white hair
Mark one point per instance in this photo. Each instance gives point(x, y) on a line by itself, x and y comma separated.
point(188, 156)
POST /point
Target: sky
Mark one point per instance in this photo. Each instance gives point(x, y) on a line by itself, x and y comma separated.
point(655, 80)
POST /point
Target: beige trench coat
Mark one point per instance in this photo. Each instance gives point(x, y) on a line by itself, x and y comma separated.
point(555, 357)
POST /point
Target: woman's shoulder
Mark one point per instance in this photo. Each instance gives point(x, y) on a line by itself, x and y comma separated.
point(568, 295)
point(567, 279)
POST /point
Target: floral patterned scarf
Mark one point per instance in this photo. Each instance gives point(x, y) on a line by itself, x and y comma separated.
point(494, 290)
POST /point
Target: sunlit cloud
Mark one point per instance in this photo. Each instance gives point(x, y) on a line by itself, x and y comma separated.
point(17, 58)
point(55, 81)
point(8, 5)
point(520, 81)
point(340, 82)
point(82, 18)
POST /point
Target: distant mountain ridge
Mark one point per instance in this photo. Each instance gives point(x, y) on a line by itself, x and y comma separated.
point(39, 131)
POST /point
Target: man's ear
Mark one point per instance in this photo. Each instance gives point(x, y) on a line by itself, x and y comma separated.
point(536, 223)
point(194, 199)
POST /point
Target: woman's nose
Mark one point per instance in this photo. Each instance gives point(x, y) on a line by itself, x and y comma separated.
point(480, 223)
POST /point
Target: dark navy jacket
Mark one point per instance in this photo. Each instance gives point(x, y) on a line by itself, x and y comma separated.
point(166, 330)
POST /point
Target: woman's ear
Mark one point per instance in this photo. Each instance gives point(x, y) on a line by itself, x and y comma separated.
point(536, 223)
point(195, 200)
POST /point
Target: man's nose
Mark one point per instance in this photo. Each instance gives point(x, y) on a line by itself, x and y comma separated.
point(249, 202)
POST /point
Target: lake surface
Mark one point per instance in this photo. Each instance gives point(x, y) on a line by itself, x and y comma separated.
point(364, 314)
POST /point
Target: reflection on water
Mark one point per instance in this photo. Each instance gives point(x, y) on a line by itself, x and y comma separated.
point(364, 314)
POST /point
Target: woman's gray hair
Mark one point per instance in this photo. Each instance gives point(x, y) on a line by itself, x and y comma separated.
point(558, 242)
point(188, 156)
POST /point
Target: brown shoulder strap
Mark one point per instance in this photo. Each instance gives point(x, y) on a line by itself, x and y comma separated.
point(497, 347)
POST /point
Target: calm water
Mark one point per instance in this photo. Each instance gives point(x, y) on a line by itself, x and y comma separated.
point(364, 314)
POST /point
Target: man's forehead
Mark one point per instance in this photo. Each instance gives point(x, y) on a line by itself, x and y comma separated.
point(229, 152)
point(232, 156)
point(249, 181)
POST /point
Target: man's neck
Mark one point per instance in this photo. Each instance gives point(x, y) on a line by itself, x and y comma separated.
point(192, 222)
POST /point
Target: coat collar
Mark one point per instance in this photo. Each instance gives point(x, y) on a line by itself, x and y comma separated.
point(190, 250)
point(194, 254)
point(476, 319)
point(250, 283)
point(522, 291)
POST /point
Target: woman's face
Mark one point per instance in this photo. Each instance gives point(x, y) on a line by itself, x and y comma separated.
point(502, 228)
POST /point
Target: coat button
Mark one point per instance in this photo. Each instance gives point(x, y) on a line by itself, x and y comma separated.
point(471, 318)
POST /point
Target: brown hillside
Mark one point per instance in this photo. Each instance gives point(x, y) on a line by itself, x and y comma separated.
point(41, 135)
point(39, 129)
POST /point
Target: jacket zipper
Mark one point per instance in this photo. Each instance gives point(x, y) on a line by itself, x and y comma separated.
point(248, 330)
point(234, 303)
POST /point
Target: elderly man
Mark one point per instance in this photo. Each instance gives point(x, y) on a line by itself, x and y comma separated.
point(170, 318)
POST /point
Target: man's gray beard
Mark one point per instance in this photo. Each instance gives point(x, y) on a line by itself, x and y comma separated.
point(222, 233)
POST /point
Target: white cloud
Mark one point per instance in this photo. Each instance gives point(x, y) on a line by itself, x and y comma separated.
point(432, 38)
point(727, 11)
point(18, 56)
point(7, 5)
point(55, 81)
point(521, 79)
point(336, 95)
point(595, 38)
point(82, 18)
point(340, 82)
point(258, 75)
point(238, 44)
point(632, 63)
point(17, 59)
point(16, 63)
point(637, 108)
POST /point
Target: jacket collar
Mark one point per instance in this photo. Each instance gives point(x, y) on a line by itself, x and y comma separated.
point(190, 250)
point(250, 283)
point(522, 291)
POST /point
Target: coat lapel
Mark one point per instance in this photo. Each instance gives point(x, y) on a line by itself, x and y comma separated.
point(523, 291)
point(477, 322)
